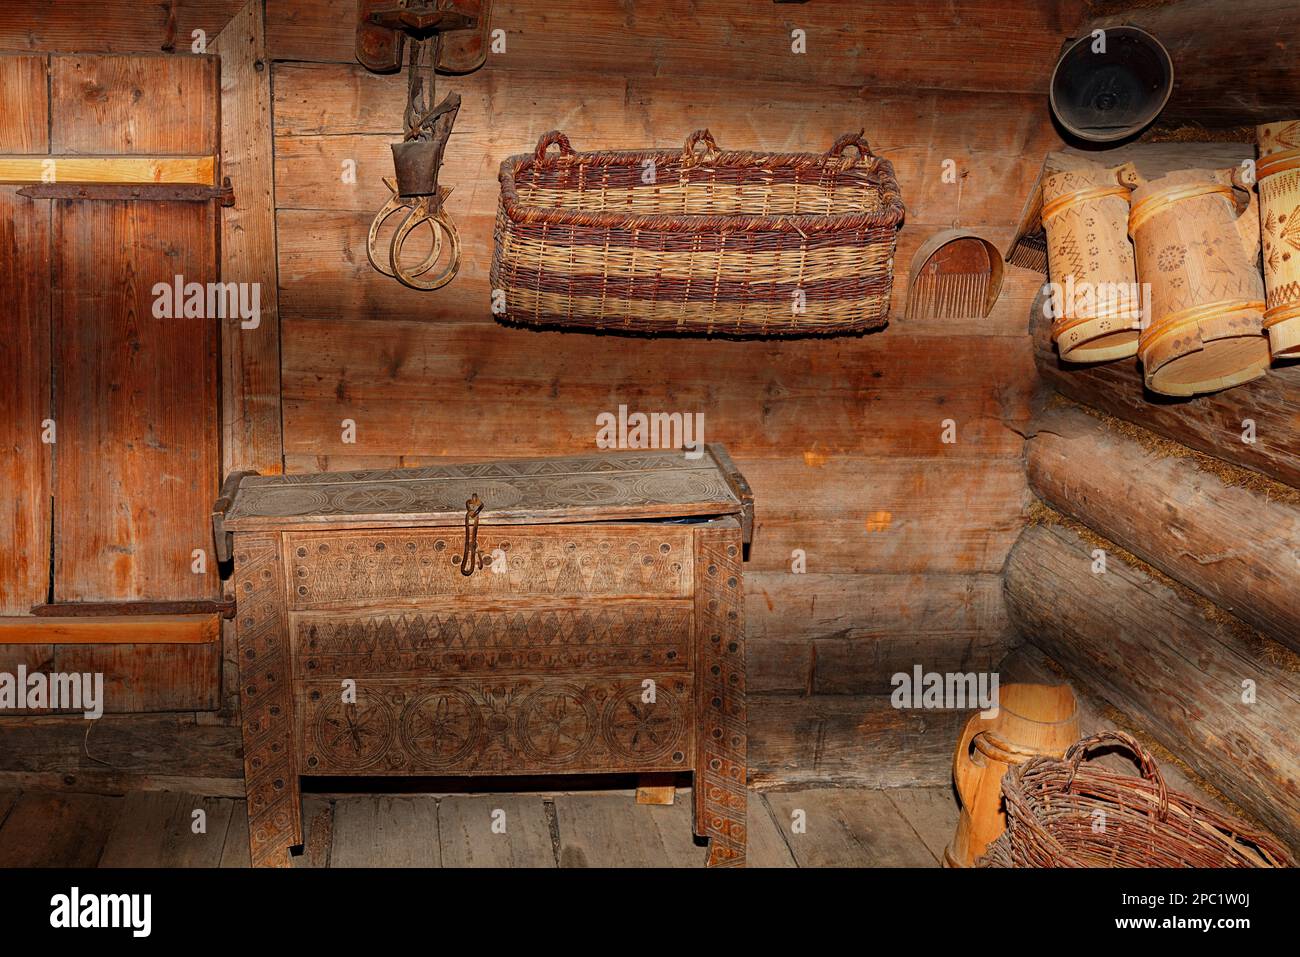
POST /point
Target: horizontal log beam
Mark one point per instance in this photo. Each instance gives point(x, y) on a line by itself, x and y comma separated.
point(995, 45)
point(849, 634)
point(1235, 544)
point(125, 746)
point(1214, 424)
point(1171, 662)
point(1233, 64)
point(852, 741)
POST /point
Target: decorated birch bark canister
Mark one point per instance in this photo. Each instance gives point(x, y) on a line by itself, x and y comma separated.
point(1197, 245)
point(1031, 720)
point(1278, 174)
point(1096, 306)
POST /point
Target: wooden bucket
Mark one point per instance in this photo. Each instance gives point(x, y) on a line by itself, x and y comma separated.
point(1098, 311)
point(1278, 173)
point(1197, 241)
point(1032, 720)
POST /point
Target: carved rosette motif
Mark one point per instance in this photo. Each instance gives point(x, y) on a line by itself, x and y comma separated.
point(556, 724)
point(355, 733)
point(643, 730)
point(442, 728)
point(721, 748)
point(261, 628)
point(524, 724)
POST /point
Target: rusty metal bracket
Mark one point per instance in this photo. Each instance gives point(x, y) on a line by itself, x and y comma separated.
point(383, 27)
point(111, 609)
point(155, 192)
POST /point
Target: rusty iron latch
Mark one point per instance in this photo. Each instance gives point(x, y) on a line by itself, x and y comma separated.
point(470, 559)
point(156, 192)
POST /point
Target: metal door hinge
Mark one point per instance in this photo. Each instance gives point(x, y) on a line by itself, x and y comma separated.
point(155, 192)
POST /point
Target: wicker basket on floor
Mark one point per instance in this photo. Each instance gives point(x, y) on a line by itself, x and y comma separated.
point(699, 240)
point(1067, 814)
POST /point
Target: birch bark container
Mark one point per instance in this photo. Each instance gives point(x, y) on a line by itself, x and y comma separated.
point(1097, 309)
point(1278, 173)
point(1197, 246)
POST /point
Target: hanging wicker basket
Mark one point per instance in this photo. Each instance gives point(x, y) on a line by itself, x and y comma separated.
point(699, 240)
point(1063, 813)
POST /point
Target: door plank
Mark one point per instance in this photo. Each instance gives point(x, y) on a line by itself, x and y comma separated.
point(24, 123)
point(136, 465)
point(25, 398)
point(133, 105)
point(153, 170)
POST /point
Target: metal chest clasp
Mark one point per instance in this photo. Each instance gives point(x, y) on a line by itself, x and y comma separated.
point(470, 559)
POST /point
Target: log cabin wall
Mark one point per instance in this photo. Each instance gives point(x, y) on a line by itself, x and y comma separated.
point(1190, 628)
point(905, 535)
point(840, 439)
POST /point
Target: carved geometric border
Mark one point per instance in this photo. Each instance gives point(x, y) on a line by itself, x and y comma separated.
point(266, 694)
point(721, 749)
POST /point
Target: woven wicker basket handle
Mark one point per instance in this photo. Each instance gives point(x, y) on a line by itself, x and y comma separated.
point(691, 154)
point(858, 142)
point(552, 138)
point(1145, 762)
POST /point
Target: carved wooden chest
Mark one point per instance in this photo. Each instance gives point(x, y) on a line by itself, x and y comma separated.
point(530, 616)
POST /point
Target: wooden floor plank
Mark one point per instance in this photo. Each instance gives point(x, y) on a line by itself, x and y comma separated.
point(932, 813)
point(611, 830)
point(53, 829)
point(847, 828)
point(157, 829)
point(381, 831)
point(235, 852)
point(521, 836)
point(844, 827)
point(767, 845)
point(140, 830)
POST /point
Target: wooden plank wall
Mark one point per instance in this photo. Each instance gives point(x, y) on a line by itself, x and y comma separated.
point(905, 536)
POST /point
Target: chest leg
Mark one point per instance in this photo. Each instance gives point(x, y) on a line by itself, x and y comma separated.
point(266, 712)
point(720, 770)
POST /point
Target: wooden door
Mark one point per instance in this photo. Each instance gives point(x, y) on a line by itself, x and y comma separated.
point(112, 447)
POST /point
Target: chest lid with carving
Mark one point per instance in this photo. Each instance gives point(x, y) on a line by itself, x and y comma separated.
point(601, 486)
